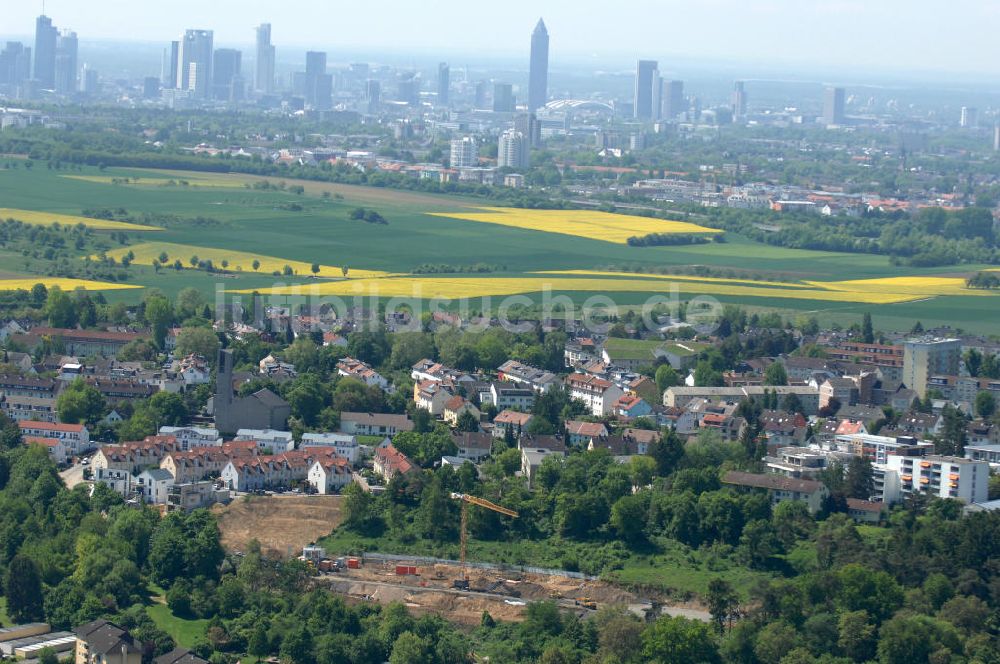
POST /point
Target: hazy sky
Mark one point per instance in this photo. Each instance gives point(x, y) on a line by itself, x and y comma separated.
point(904, 35)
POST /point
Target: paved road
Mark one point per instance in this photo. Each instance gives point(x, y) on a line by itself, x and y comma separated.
point(72, 475)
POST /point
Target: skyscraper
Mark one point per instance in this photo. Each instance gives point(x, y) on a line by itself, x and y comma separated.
point(513, 150)
point(373, 95)
point(15, 65)
point(503, 97)
point(538, 75)
point(643, 101)
point(480, 96)
point(444, 83)
point(227, 79)
point(969, 118)
point(408, 88)
point(264, 75)
point(528, 124)
point(46, 36)
point(673, 99)
point(833, 106)
point(657, 96)
point(739, 104)
point(171, 57)
point(67, 48)
point(194, 62)
point(318, 84)
point(464, 152)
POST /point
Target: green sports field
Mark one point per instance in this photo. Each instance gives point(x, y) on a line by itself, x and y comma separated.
point(281, 227)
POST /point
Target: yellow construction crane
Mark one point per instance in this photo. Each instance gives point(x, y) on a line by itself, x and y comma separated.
point(467, 500)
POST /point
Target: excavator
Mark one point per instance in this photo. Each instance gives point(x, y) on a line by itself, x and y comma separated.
point(463, 583)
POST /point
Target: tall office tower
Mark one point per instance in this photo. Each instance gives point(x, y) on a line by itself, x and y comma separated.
point(480, 100)
point(227, 79)
point(970, 117)
point(739, 104)
point(194, 62)
point(408, 88)
point(373, 95)
point(673, 99)
point(996, 137)
point(464, 152)
point(513, 150)
point(657, 95)
point(318, 84)
point(926, 357)
point(528, 125)
point(90, 83)
point(15, 64)
point(263, 80)
point(67, 48)
point(46, 36)
point(538, 75)
point(503, 97)
point(171, 60)
point(444, 83)
point(643, 100)
point(833, 106)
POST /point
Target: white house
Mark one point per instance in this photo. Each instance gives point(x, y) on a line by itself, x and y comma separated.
point(345, 445)
point(528, 376)
point(276, 441)
point(329, 475)
point(509, 396)
point(154, 484)
point(357, 369)
point(54, 446)
point(188, 437)
point(431, 396)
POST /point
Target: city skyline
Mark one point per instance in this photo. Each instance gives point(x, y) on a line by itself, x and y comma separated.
point(777, 31)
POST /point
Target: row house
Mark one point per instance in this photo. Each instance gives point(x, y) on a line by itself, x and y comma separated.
point(75, 437)
point(134, 456)
point(255, 473)
point(390, 463)
point(329, 476)
point(351, 368)
point(85, 343)
point(29, 386)
point(535, 379)
point(29, 408)
point(196, 464)
point(374, 424)
point(597, 394)
point(117, 391)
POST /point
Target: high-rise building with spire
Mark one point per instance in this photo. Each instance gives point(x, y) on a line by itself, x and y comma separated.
point(46, 36)
point(538, 76)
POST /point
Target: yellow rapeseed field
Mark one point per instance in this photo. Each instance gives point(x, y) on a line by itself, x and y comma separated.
point(590, 224)
point(37, 218)
point(238, 261)
point(472, 287)
point(26, 283)
point(679, 277)
point(921, 286)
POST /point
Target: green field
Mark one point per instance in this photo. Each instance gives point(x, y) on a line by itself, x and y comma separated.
point(311, 228)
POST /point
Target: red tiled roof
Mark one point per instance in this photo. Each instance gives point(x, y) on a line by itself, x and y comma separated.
point(51, 426)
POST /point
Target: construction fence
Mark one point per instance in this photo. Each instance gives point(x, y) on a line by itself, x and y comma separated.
point(424, 560)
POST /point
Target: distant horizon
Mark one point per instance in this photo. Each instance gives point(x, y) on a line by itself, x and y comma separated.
point(772, 34)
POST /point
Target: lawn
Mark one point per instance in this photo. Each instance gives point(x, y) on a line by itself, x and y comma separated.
point(528, 250)
point(186, 632)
